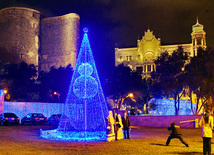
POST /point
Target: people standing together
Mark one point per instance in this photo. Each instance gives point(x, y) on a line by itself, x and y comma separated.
point(118, 128)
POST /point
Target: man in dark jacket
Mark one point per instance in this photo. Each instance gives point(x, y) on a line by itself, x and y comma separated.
point(116, 125)
point(126, 124)
point(176, 133)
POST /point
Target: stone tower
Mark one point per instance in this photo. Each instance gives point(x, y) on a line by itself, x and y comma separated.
point(26, 35)
point(59, 41)
point(19, 39)
point(198, 37)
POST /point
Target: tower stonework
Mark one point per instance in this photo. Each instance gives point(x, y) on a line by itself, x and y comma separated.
point(26, 35)
point(19, 39)
point(59, 41)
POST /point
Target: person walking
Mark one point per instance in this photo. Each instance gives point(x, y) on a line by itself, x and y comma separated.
point(206, 123)
point(126, 125)
point(176, 133)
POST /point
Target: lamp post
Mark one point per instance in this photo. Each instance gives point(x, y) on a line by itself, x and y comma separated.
point(131, 95)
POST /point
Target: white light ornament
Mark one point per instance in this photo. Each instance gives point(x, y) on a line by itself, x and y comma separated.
point(85, 86)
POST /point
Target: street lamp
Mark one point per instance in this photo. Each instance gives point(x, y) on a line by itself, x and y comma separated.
point(5, 91)
point(130, 95)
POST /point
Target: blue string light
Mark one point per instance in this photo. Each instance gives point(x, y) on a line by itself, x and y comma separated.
point(166, 107)
point(85, 110)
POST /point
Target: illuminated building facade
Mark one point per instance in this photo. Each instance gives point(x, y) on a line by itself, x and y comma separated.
point(141, 58)
point(26, 35)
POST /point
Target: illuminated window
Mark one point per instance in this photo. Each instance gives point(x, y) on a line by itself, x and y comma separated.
point(149, 68)
point(129, 58)
point(149, 56)
point(120, 58)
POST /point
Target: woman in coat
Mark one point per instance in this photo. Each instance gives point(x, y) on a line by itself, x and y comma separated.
point(206, 123)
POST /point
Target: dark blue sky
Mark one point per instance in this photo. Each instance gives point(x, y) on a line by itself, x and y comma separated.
point(122, 21)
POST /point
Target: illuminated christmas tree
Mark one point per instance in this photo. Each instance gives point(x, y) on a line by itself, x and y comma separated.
point(85, 110)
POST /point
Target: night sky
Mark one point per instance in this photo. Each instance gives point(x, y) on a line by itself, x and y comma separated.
point(122, 22)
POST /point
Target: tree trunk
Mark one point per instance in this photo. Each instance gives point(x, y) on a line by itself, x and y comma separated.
point(176, 109)
point(212, 104)
point(190, 96)
point(201, 104)
point(197, 105)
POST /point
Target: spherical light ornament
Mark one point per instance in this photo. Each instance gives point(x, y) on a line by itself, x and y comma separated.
point(85, 30)
point(85, 87)
point(85, 69)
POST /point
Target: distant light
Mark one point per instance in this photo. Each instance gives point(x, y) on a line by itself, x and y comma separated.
point(55, 93)
point(5, 91)
point(131, 95)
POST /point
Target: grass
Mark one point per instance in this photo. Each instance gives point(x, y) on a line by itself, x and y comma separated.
point(26, 140)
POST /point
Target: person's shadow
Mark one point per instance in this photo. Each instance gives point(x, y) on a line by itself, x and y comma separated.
point(184, 153)
point(158, 144)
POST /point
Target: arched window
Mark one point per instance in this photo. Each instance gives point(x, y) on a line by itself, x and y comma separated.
point(149, 56)
point(120, 58)
point(128, 58)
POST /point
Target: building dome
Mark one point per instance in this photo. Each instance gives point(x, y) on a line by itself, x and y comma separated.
point(197, 27)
